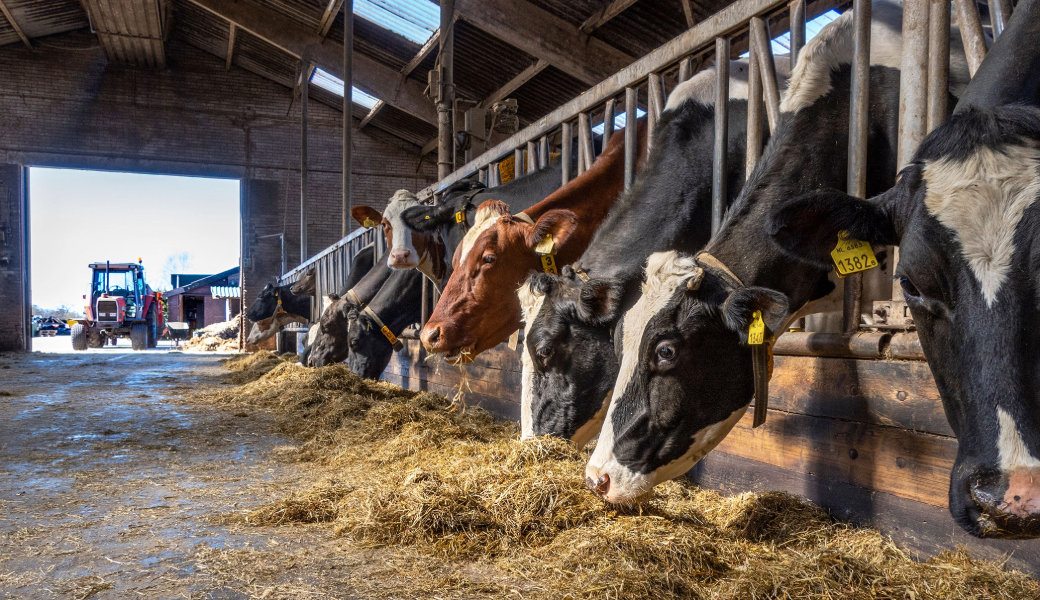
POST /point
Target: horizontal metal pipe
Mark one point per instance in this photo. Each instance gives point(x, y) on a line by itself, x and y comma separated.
point(868, 344)
point(906, 346)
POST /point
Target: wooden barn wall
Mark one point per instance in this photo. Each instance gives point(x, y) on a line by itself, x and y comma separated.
point(70, 108)
point(865, 439)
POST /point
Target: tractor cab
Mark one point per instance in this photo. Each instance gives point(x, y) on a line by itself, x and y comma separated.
point(119, 304)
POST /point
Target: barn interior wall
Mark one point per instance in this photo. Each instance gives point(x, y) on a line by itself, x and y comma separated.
point(64, 105)
point(14, 309)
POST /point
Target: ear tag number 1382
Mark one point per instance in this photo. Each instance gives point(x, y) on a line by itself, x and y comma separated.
point(852, 255)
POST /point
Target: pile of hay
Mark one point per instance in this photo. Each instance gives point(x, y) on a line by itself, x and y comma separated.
point(218, 337)
point(409, 474)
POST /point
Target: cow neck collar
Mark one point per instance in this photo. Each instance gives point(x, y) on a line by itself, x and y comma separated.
point(761, 354)
point(389, 335)
point(278, 308)
point(466, 207)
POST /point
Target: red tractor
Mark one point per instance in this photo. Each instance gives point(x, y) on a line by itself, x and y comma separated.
point(121, 305)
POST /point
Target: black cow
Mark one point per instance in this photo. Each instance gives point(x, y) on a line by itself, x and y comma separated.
point(465, 196)
point(331, 343)
point(396, 306)
point(686, 372)
point(569, 364)
point(967, 222)
point(274, 308)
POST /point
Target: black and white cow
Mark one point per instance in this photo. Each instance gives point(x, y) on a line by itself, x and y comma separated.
point(331, 341)
point(686, 372)
point(465, 196)
point(275, 307)
point(396, 306)
point(569, 364)
point(966, 218)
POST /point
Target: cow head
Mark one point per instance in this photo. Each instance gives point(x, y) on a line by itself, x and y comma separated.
point(667, 411)
point(265, 305)
point(448, 221)
point(408, 249)
point(267, 328)
point(307, 284)
point(965, 217)
point(569, 365)
point(370, 351)
point(493, 259)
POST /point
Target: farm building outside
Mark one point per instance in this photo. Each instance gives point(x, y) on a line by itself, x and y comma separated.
point(488, 148)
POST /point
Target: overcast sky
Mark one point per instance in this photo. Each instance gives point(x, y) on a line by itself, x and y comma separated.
point(80, 217)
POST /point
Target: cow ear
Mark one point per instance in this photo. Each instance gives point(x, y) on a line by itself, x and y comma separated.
point(599, 301)
point(740, 306)
point(807, 227)
point(366, 216)
point(490, 209)
point(558, 222)
point(425, 219)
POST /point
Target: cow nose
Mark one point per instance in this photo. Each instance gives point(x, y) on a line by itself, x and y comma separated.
point(430, 336)
point(599, 486)
point(400, 255)
point(1008, 503)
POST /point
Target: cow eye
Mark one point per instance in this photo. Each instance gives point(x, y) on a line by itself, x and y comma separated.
point(490, 259)
point(544, 352)
point(909, 288)
point(666, 352)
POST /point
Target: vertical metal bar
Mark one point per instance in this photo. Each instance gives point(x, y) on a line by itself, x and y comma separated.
point(938, 62)
point(424, 310)
point(348, 120)
point(685, 69)
point(304, 96)
point(565, 152)
point(482, 176)
point(518, 163)
point(913, 79)
point(446, 98)
point(754, 118)
point(655, 104)
point(631, 97)
point(767, 69)
point(797, 29)
point(495, 175)
point(585, 150)
point(999, 13)
point(608, 124)
point(532, 157)
point(971, 32)
point(719, 170)
point(543, 152)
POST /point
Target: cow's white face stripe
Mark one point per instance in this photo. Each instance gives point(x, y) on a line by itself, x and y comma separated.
point(832, 47)
point(530, 306)
point(402, 235)
point(665, 272)
point(483, 220)
point(982, 200)
point(1011, 448)
point(626, 485)
point(701, 86)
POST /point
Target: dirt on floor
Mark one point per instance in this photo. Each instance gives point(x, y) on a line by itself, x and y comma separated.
point(112, 487)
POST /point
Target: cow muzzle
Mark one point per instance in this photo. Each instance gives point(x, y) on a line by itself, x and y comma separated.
point(402, 258)
point(1008, 503)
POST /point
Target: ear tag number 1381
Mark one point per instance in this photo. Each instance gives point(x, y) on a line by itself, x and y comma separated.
point(757, 330)
point(852, 255)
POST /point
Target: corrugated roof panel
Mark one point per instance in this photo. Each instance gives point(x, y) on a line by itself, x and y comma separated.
point(483, 63)
point(647, 24)
point(404, 126)
point(376, 42)
point(574, 12)
point(306, 13)
point(39, 18)
point(130, 30)
point(416, 20)
point(545, 92)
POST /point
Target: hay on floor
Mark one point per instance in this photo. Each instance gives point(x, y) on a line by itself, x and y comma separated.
point(409, 473)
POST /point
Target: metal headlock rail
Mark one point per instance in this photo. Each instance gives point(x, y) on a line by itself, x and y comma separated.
point(744, 25)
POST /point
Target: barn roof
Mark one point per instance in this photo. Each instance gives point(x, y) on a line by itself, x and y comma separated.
point(496, 53)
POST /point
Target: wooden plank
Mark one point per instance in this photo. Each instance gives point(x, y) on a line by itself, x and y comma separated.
point(231, 46)
point(372, 112)
point(608, 12)
point(897, 461)
point(687, 8)
point(370, 75)
point(329, 17)
point(546, 36)
point(879, 392)
point(14, 24)
point(920, 528)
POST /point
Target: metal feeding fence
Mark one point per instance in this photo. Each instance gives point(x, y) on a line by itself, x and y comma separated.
point(745, 25)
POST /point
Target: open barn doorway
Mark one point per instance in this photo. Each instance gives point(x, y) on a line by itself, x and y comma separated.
point(142, 233)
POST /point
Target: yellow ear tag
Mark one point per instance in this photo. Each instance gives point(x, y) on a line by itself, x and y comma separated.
point(546, 246)
point(852, 255)
point(549, 263)
point(460, 217)
point(757, 331)
point(389, 335)
point(368, 223)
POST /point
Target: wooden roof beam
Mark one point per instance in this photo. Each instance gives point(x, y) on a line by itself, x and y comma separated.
point(600, 17)
point(545, 36)
point(420, 56)
point(231, 46)
point(329, 17)
point(14, 24)
point(370, 76)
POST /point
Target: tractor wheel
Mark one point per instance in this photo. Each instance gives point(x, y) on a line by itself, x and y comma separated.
point(139, 336)
point(152, 334)
point(95, 340)
point(79, 337)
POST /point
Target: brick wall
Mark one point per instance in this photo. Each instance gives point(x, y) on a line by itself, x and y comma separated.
point(69, 108)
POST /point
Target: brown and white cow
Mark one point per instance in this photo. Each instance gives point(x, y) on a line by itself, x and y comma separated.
point(478, 308)
point(408, 249)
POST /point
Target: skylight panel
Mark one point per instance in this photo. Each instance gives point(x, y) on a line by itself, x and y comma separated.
point(782, 44)
point(334, 84)
point(619, 121)
point(413, 19)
